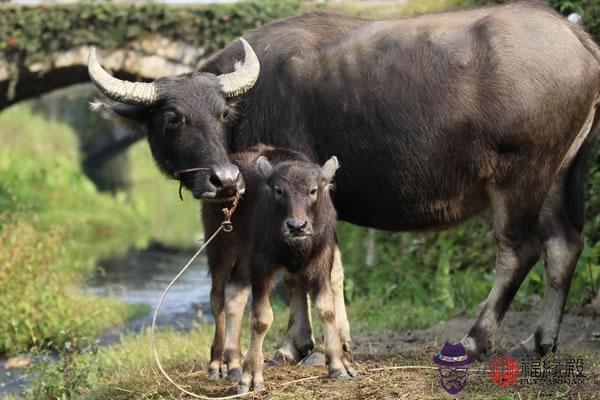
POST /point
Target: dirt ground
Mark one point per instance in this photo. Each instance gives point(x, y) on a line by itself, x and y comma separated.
point(399, 366)
point(579, 332)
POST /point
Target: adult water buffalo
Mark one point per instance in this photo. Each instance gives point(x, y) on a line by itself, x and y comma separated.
point(434, 119)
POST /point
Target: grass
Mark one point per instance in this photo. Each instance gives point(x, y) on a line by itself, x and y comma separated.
point(54, 225)
point(128, 371)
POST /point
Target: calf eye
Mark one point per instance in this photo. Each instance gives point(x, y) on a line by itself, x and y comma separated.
point(313, 191)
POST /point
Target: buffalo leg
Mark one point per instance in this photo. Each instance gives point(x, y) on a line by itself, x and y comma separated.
point(236, 296)
point(262, 318)
point(563, 245)
point(518, 247)
point(299, 341)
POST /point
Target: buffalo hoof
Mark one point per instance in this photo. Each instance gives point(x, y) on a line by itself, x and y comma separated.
point(235, 374)
point(517, 352)
point(259, 387)
point(213, 375)
point(280, 358)
point(314, 359)
point(339, 375)
point(242, 389)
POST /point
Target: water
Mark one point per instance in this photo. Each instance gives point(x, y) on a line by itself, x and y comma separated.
point(141, 276)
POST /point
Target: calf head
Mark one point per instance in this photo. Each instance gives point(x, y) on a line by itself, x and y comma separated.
point(300, 205)
point(185, 119)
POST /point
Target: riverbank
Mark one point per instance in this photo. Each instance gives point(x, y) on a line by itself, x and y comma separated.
point(128, 371)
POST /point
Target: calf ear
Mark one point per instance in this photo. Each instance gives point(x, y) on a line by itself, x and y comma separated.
point(129, 117)
point(328, 169)
point(264, 167)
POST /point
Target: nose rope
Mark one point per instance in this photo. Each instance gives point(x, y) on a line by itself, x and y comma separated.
point(225, 226)
point(179, 174)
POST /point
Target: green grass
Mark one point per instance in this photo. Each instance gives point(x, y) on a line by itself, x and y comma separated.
point(54, 225)
point(128, 371)
point(169, 221)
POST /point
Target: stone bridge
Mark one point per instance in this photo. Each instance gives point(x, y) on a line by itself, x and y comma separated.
point(148, 58)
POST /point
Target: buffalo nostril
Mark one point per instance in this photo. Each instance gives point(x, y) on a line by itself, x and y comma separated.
point(215, 180)
point(296, 224)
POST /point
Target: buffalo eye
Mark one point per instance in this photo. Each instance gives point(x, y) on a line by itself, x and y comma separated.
point(171, 120)
point(278, 191)
point(224, 115)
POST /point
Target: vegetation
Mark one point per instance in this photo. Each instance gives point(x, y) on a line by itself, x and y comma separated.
point(128, 371)
point(53, 226)
point(28, 34)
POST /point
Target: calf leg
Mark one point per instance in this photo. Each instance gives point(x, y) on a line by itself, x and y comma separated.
point(518, 246)
point(262, 318)
point(217, 300)
point(337, 285)
point(236, 296)
point(322, 293)
point(300, 341)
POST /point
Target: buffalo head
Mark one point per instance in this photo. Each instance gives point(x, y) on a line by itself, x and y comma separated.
point(185, 119)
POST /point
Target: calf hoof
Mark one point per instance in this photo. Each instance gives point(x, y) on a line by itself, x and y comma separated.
point(235, 374)
point(259, 387)
point(213, 375)
point(352, 372)
point(339, 375)
point(242, 389)
point(314, 359)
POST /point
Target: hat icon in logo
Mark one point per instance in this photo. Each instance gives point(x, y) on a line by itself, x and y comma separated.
point(453, 361)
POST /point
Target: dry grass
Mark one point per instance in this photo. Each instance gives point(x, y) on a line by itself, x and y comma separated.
point(128, 372)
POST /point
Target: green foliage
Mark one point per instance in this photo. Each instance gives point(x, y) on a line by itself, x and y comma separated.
point(28, 34)
point(53, 226)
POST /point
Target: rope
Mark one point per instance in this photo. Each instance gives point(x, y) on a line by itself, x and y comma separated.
point(226, 226)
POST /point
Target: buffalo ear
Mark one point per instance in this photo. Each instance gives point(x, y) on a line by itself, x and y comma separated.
point(129, 117)
point(328, 169)
point(264, 167)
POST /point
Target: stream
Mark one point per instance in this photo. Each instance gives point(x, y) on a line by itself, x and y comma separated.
point(139, 277)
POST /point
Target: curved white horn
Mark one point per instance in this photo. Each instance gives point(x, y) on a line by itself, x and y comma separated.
point(135, 93)
point(245, 75)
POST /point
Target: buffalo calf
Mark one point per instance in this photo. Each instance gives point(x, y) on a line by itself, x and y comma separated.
point(286, 221)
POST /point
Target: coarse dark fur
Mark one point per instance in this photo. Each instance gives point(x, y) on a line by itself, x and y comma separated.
point(436, 119)
point(285, 220)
